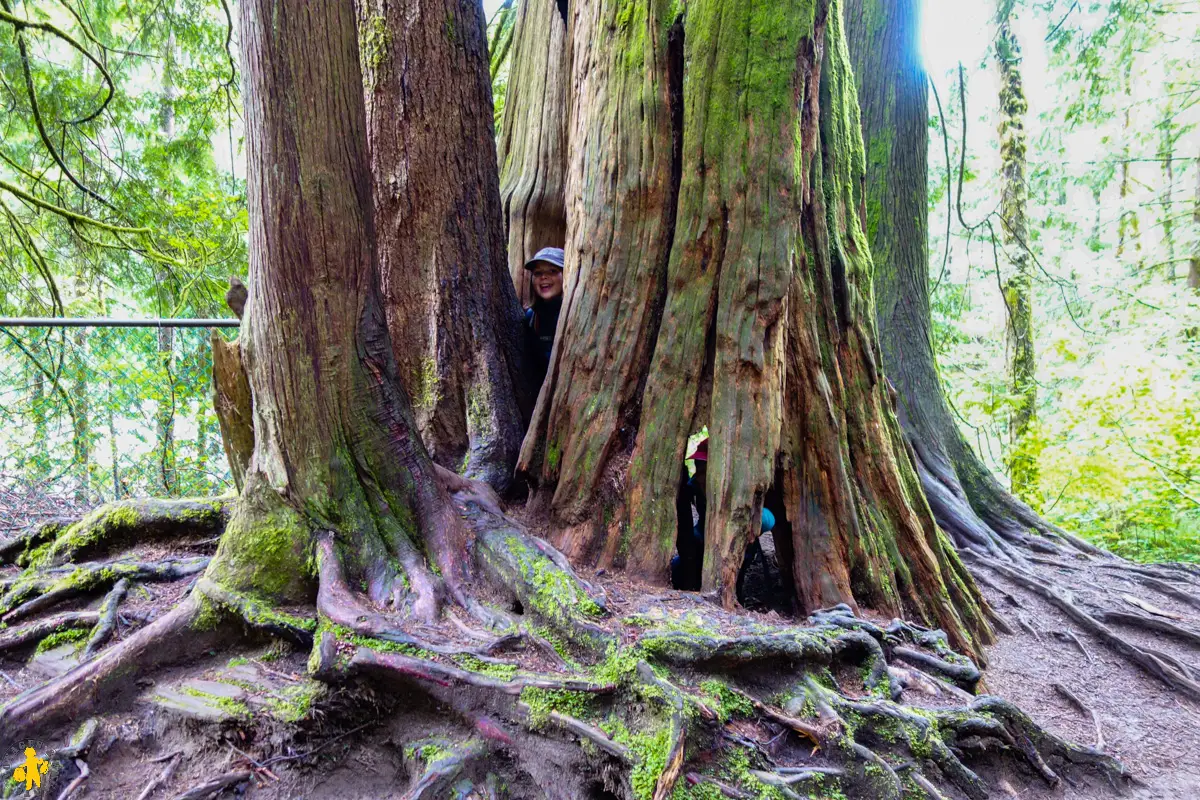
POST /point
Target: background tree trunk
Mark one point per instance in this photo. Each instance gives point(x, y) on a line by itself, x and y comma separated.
point(1018, 287)
point(1193, 280)
point(967, 500)
point(533, 138)
point(765, 332)
point(451, 308)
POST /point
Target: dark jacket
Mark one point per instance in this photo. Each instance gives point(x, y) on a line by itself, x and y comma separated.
point(541, 321)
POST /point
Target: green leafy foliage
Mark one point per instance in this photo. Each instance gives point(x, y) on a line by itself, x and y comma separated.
point(1114, 109)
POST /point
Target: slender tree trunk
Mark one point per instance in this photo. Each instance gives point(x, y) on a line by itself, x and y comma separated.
point(1166, 152)
point(748, 233)
point(81, 402)
point(165, 418)
point(532, 145)
point(81, 419)
point(452, 311)
point(1128, 226)
point(1193, 280)
point(1018, 287)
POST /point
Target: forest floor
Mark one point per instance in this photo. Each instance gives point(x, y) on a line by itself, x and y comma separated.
point(1152, 730)
point(230, 716)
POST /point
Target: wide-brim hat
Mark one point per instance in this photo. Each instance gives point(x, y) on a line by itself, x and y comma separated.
point(551, 255)
point(701, 451)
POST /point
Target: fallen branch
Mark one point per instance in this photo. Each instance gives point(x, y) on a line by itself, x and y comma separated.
point(205, 790)
point(1079, 704)
point(163, 778)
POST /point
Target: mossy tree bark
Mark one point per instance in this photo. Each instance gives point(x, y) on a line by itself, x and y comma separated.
point(967, 500)
point(452, 313)
point(335, 444)
point(748, 232)
point(1018, 285)
point(532, 142)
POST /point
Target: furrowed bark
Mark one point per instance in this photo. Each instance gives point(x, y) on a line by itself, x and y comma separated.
point(452, 313)
point(967, 500)
point(766, 333)
point(533, 138)
point(619, 234)
point(335, 440)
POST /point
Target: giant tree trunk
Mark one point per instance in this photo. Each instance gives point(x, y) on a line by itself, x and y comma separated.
point(532, 144)
point(1018, 286)
point(748, 231)
point(967, 500)
point(335, 445)
point(451, 309)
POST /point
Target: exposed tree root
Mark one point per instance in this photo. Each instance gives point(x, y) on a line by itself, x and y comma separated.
point(118, 525)
point(680, 694)
point(205, 790)
point(107, 622)
point(187, 631)
point(162, 779)
point(31, 538)
point(33, 596)
point(1083, 707)
point(436, 780)
point(34, 632)
point(1165, 668)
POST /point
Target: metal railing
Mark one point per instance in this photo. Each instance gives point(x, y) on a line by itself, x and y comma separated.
point(93, 410)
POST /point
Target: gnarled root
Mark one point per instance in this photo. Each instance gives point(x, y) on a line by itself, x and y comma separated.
point(1165, 668)
point(35, 595)
point(115, 526)
point(682, 702)
point(681, 692)
point(187, 631)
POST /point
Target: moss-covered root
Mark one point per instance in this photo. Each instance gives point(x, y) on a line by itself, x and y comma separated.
point(443, 766)
point(31, 594)
point(123, 524)
point(31, 538)
point(34, 632)
point(540, 580)
point(190, 629)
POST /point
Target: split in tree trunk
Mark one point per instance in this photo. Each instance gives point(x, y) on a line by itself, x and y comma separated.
point(747, 232)
point(532, 145)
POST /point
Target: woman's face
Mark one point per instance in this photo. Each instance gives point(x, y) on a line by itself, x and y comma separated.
point(547, 281)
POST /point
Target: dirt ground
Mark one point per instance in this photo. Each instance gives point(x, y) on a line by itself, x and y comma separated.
point(355, 752)
point(1154, 731)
